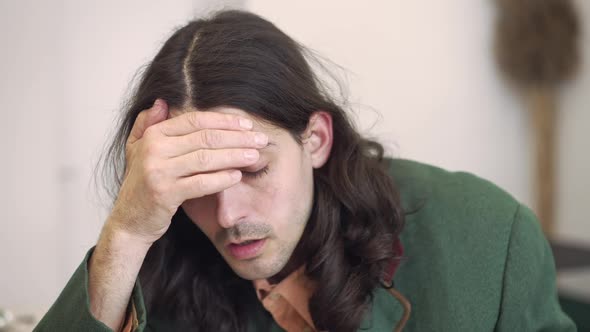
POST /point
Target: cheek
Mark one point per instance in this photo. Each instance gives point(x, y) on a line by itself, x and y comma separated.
point(201, 212)
point(288, 198)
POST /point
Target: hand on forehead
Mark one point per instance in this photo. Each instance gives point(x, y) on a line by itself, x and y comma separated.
point(234, 115)
point(232, 111)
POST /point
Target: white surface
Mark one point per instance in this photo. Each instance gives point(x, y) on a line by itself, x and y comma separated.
point(65, 66)
point(30, 63)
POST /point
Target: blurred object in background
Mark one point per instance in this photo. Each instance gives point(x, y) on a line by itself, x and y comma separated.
point(9, 322)
point(537, 49)
point(573, 281)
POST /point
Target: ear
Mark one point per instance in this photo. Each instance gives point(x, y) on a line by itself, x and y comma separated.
point(318, 138)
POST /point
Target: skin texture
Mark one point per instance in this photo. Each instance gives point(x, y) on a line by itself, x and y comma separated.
point(272, 201)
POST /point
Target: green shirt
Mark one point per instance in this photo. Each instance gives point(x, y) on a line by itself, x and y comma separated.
point(475, 260)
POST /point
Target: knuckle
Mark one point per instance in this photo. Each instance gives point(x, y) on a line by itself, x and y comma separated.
point(200, 182)
point(196, 139)
point(203, 158)
point(153, 148)
point(194, 119)
point(211, 138)
point(153, 174)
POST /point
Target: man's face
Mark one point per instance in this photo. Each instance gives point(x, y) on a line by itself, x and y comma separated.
point(271, 205)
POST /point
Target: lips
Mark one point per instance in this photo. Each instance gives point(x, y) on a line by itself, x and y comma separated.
point(246, 249)
point(243, 242)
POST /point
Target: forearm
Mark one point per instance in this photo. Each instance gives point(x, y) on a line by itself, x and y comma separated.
point(112, 272)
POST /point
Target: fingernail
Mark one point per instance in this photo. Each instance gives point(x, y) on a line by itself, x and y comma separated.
point(236, 175)
point(251, 154)
point(261, 139)
point(245, 123)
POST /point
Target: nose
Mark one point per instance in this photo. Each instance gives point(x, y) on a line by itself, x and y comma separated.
point(231, 206)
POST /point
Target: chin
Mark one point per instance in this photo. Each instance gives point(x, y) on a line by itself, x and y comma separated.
point(255, 269)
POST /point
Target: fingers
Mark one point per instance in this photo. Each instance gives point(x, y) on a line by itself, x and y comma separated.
point(146, 118)
point(189, 122)
point(206, 184)
point(206, 161)
point(215, 139)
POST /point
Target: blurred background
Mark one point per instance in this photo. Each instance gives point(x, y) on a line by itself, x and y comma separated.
point(422, 76)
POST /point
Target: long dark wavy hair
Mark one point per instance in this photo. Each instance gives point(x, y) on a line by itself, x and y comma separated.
point(235, 58)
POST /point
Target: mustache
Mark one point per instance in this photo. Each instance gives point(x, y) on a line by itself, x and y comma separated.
point(243, 230)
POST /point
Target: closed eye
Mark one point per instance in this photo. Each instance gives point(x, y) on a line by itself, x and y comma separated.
point(257, 174)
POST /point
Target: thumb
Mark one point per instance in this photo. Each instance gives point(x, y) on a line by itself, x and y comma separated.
point(146, 118)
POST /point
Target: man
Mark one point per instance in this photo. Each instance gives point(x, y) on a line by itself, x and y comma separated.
point(248, 202)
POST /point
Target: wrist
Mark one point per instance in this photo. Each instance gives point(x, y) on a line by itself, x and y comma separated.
point(118, 233)
point(121, 241)
point(112, 272)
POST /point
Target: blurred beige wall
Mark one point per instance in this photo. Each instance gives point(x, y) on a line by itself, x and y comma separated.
point(65, 67)
point(427, 67)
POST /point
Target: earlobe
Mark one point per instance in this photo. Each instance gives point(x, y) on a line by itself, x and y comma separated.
point(318, 138)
